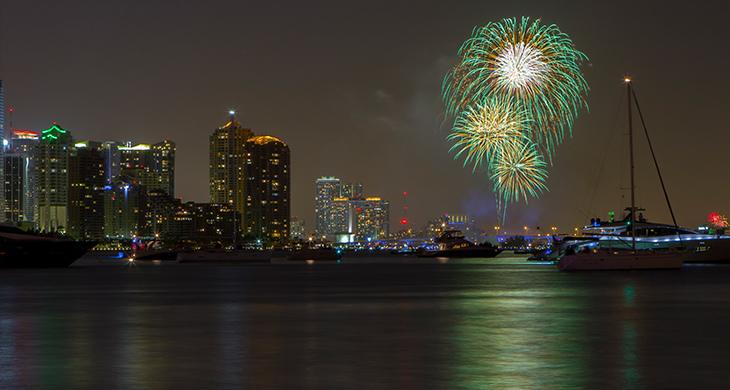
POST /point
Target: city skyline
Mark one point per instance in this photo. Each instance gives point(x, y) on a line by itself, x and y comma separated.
point(356, 95)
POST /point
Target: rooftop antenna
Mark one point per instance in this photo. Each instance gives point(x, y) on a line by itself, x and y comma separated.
point(404, 221)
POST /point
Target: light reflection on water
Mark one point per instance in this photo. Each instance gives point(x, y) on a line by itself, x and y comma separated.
point(498, 324)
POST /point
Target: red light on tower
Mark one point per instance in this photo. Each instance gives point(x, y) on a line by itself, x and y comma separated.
point(404, 221)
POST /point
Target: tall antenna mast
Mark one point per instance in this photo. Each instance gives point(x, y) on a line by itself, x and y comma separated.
point(234, 175)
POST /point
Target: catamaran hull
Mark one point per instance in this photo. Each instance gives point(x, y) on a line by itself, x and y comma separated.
point(609, 259)
point(699, 248)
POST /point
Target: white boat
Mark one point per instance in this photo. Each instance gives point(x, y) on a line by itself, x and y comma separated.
point(699, 248)
point(225, 256)
point(592, 256)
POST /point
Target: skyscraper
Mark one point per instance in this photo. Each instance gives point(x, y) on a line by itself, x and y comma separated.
point(86, 191)
point(163, 166)
point(226, 160)
point(25, 144)
point(328, 188)
point(125, 209)
point(152, 166)
point(267, 211)
point(54, 150)
point(13, 168)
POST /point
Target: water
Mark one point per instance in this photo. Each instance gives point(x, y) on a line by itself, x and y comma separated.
point(363, 323)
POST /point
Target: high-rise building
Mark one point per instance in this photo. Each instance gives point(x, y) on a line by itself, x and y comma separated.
point(226, 164)
point(328, 188)
point(152, 166)
point(125, 205)
point(267, 211)
point(86, 191)
point(352, 189)
point(54, 151)
point(369, 218)
point(112, 160)
point(212, 221)
point(339, 212)
point(161, 212)
point(14, 205)
point(163, 166)
point(25, 144)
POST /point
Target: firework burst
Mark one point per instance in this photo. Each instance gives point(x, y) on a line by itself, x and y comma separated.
point(536, 65)
point(497, 126)
point(519, 174)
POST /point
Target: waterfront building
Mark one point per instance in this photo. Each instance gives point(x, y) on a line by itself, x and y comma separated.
point(152, 166)
point(25, 145)
point(298, 229)
point(112, 160)
point(266, 189)
point(371, 218)
point(226, 160)
point(339, 216)
point(13, 168)
point(183, 226)
point(54, 150)
point(125, 205)
point(161, 213)
point(87, 183)
point(212, 222)
point(328, 188)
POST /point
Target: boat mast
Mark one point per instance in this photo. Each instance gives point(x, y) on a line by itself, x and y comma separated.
point(631, 162)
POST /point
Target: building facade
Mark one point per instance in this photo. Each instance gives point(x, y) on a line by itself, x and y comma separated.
point(226, 161)
point(267, 211)
point(125, 205)
point(328, 188)
point(25, 144)
point(152, 166)
point(54, 150)
point(87, 183)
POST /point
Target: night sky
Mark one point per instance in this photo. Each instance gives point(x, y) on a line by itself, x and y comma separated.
point(354, 89)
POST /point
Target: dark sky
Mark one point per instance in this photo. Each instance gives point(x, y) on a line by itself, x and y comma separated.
point(354, 89)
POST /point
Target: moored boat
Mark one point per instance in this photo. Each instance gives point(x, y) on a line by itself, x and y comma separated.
point(595, 257)
point(21, 249)
point(452, 243)
point(700, 248)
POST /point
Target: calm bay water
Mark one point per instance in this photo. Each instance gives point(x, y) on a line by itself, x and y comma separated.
point(363, 323)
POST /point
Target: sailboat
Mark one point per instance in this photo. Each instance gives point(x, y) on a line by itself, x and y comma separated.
point(598, 258)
